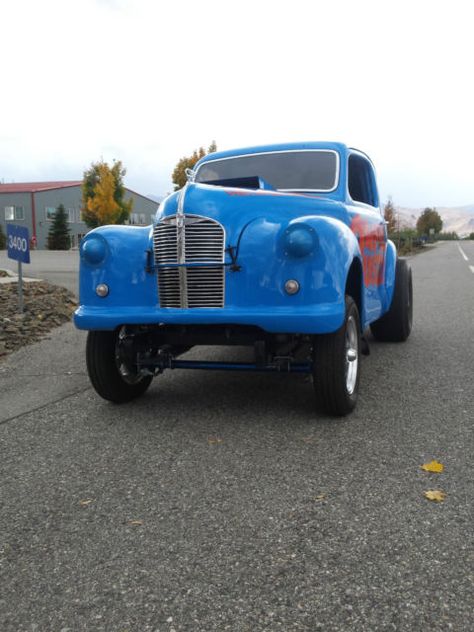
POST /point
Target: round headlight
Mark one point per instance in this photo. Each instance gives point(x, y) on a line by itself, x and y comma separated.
point(94, 249)
point(299, 240)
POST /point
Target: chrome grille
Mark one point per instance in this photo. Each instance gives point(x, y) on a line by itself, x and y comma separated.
point(190, 286)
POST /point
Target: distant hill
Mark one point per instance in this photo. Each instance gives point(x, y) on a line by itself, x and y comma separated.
point(459, 219)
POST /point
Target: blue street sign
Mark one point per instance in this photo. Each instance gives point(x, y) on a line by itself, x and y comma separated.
point(18, 243)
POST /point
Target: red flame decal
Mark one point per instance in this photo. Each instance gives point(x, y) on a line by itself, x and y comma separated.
point(372, 245)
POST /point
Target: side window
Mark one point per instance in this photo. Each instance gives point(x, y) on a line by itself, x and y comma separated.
point(362, 181)
point(14, 212)
point(49, 212)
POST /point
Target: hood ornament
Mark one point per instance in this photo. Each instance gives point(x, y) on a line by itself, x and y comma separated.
point(190, 174)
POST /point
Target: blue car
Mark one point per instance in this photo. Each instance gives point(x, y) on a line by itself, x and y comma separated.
point(282, 248)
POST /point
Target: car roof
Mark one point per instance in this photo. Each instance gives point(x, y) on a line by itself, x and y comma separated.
point(258, 149)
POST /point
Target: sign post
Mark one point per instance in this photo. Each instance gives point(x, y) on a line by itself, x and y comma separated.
point(18, 244)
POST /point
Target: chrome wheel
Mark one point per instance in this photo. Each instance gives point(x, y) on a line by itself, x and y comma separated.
point(337, 365)
point(352, 354)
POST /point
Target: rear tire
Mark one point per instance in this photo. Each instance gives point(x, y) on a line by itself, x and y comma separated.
point(395, 325)
point(108, 376)
point(336, 365)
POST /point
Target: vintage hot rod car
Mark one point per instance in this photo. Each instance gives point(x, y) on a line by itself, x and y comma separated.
point(282, 248)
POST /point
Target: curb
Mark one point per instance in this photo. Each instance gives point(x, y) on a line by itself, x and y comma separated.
point(12, 277)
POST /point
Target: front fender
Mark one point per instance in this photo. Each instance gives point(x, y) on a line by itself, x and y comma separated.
point(322, 275)
point(123, 269)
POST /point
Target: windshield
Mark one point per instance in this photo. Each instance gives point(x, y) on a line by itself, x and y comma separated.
point(310, 170)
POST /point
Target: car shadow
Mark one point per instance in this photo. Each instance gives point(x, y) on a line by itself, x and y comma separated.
point(223, 398)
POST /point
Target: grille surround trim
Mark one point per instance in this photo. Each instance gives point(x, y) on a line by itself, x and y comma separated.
point(189, 256)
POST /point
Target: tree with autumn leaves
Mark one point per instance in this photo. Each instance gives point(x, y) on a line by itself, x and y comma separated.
point(179, 177)
point(390, 216)
point(103, 195)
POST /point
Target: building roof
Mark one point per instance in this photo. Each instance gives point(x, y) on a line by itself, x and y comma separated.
point(32, 187)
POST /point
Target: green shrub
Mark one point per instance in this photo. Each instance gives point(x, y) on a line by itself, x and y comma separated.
point(407, 241)
point(447, 237)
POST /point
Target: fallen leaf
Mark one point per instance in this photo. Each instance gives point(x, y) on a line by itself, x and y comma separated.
point(433, 466)
point(435, 495)
point(85, 502)
point(135, 523)
point(214, 440)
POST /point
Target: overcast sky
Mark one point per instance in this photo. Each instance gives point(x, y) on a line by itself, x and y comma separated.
point(148, 81)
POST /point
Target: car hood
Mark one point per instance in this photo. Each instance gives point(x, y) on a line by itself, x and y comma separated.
point(236, 208)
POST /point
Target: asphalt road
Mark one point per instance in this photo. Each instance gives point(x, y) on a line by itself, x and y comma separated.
point(57, 266)
point(221, 501)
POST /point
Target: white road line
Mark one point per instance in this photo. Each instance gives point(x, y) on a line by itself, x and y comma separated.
point(466, 258)
point(472, 269)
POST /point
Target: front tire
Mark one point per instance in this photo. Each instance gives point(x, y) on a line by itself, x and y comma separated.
point(108, 375)
point(395, 325)
point(336, 365)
